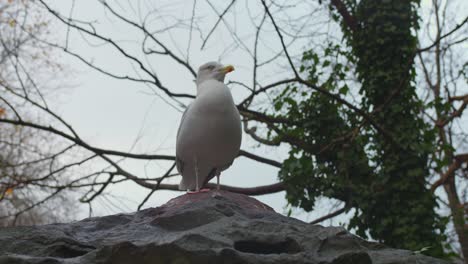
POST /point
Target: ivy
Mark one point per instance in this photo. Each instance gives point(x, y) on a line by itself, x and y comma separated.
point(335, 154)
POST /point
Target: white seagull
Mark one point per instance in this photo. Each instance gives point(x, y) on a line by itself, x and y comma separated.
point(210, 132)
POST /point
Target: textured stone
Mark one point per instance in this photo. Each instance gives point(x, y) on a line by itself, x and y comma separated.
point(195, 228)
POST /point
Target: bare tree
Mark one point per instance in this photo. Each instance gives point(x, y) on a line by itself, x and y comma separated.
point(113, 172)
point(28, 162)
point(443, 66)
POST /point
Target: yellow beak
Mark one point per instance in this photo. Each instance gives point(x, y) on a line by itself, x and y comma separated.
point(227, 69)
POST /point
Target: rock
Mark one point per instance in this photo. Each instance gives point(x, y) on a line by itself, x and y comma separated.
point(195, 228)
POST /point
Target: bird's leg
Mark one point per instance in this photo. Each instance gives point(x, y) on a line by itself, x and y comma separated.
point(217, 192)
point(197, 186)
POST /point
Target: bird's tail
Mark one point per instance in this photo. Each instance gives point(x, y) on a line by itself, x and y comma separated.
point(184, 185)
point(189, 181)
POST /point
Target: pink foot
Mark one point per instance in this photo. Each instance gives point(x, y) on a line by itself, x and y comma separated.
point(200, 191)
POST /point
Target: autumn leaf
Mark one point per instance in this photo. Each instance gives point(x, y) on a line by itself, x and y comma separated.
point(9, 191)
point(2, 112)
point(12, 23)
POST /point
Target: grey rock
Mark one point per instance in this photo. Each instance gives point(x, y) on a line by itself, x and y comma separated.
point(196, 228)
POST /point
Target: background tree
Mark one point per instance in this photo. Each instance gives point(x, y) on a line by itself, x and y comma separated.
point(375, 166)
point(355, 115)
point(442, 64)
point(381, 169)
point(28, 161)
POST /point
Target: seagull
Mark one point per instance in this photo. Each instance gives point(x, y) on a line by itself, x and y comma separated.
point(210, 131)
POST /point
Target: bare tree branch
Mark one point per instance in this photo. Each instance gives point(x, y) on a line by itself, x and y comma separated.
point(349, 20)
point(457, 163)
point(437, 41)
point(220, 17)
point(260, 159)
point(83, 144)
point(330, 215)
point(293, 68)
point(158, 183)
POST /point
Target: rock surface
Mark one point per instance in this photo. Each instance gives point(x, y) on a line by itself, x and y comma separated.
point(195, 228)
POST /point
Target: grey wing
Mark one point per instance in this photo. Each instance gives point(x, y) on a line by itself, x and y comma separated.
point(179, 162)
point(182, 120)
point(179, 165)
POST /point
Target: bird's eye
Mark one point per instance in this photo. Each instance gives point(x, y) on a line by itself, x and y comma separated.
point(211, 67)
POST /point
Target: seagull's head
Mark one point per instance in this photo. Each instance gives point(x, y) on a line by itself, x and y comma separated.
point(213, 71)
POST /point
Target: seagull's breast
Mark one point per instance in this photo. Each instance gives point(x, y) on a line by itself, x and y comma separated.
point(211, 129)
